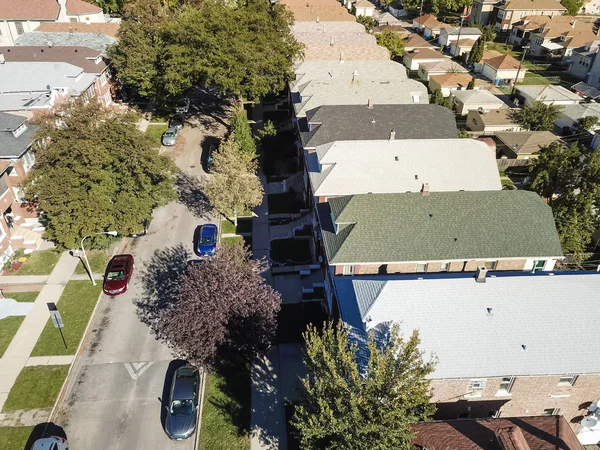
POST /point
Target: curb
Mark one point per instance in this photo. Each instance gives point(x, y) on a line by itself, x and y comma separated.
point(84, 338)
point(200, 409)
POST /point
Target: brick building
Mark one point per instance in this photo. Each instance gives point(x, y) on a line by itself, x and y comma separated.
point(506, 344)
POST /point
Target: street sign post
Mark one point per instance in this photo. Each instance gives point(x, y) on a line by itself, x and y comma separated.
point(57, 320)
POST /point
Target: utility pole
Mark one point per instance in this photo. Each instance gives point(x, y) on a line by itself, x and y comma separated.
point(458, 39)
point(421, 10)
point(525, 48)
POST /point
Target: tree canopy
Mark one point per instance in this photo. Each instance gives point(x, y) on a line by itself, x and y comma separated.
point(224, 305)
point(345, 405)
point(538, 117)
point(477, 51)
point(392, 41)
point(573, 6)
point(233, 185)
point(96, 171)
point(247, 49)
point(569, 178)
point(241, 132)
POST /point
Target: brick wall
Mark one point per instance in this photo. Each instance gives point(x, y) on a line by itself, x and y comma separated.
point(529, 396)
point(432, 267)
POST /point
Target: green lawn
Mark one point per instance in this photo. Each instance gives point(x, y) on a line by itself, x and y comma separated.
point(243, 226)
point(535, 79)
point(75, 306)
point(22, 296)
point(98, 260)
point(226, 413)
point(8, 328)
point(14, 438)
point(231, 240)
point(36, 387)
point(502, 48)
point(156, 131)
point(39, 263)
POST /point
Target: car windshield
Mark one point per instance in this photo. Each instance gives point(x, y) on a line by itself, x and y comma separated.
point(169, 134)
point(207, 240)
point(116, 275)
point(182, 407)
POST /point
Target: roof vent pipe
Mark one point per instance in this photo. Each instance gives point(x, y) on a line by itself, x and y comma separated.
point(425, 190)
point(370, 104)
point(480, 274)
point(393, 135)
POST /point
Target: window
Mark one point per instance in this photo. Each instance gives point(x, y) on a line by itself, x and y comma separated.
point(505, 26)
point(494, 414)
point(567, 380)
point(538, 265)
point(550, 412)
point(508, 14)
point(107, 99)
point(444, 267)
point(421, 268)
point(475, 388)
point(491, 265)
point(19, 27)
point(28, 160)
point(103, 79)
point(523, 14)
point(348, 270)
point(505, 386)
point(73, 19)
point(500, 14)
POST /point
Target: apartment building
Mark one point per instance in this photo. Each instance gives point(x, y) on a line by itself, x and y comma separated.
point(508, 12)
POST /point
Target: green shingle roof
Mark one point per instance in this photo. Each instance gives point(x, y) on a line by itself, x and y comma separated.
point(385, 228)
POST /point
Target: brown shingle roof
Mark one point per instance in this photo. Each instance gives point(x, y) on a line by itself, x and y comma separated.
point(526, 142)
point(503, 62)
point(83, 57)
point(452, 79)
point(28, 9)
point(325, 10)
point(416, 41)
point(425, 53)
point(487, 54)
point(495, 116)
point(540, 433)
point(76, 7)
point(427, 20)
point(464, 42)
point(535, 5)
point(110, 29)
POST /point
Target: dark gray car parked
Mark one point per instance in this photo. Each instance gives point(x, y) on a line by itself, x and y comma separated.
point(183, 403)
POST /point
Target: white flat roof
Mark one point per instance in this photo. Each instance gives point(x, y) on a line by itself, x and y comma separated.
point(361, 167)
point(554, 316)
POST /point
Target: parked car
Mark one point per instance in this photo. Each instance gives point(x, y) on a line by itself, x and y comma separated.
point(118, 273)
point(205, 240)
point(51, 443)
point(177, 121)
point(169, 137)
point(182, 408)
point(183, 106)
point(210, 157)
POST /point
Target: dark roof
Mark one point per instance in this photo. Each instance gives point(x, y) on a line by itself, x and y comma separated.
point(11, 146)
point(83, 57)
point(539, 433)
point(586, 89)
point(358, 122)
point(446, 226)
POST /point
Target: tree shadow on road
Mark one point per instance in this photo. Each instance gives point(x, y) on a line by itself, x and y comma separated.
point(161, 280)
point(211, 110)
point(190, 193)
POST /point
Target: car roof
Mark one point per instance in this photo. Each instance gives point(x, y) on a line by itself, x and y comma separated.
point(45, 444)
point(184, 384)
point(209, 229)
point(171, 130)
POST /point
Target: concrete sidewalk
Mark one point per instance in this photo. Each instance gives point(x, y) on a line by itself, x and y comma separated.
point(17, 353)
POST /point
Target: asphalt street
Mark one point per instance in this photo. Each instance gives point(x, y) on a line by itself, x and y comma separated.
point(112, 396)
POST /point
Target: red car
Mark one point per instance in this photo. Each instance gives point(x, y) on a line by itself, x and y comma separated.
point(118, 274)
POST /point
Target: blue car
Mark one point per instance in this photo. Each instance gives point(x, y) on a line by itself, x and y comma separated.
point(205, 241)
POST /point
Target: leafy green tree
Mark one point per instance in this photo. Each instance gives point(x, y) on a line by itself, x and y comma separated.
point(573, 6)
point(344, 407)
point(556, 170)
point(588, 123)
point(368, 22)
point(464, 134)
point(538, 117)
point(268, 131)
point(233, 185)
point(392, 41)
point(96, 171)
point(488, 34)
point(471, 84)
point(242, 132)
point(437, 98)
point(576, 221)
point(476, 52)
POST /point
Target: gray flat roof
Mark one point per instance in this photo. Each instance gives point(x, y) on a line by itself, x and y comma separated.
point(97, 41)
point(11, 146)
point(550, 314)
point(37, 76)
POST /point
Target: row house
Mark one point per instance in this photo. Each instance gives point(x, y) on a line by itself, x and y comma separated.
point(424, 232)
point(428, 26)
point(19, 226)
point(506, 344)
point(508, 12)
point(318, 11)
point(582, 60)
point(559, 39)
point(19, 17)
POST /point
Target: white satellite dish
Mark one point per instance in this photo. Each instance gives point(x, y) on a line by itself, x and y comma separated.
point(589, 422)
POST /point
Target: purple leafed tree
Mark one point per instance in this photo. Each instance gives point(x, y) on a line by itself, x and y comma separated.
point(224, 306)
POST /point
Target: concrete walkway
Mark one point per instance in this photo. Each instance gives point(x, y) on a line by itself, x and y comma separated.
point(17, 353)
point(41, 279)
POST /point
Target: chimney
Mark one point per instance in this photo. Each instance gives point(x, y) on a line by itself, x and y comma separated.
point(393, 135)
point(2, 60)
point(480, 274)
point(512, 438)
point(425, 190)
point(49, 43)
point(370, 104)
point(317, 18)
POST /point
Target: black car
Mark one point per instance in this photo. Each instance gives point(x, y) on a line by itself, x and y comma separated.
point(183, 106)
point(183, 403)
point(177, 121)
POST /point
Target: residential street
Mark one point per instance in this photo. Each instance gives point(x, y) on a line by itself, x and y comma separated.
point(112, 397)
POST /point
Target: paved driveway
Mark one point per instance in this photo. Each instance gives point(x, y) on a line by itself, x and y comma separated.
point(112, 397)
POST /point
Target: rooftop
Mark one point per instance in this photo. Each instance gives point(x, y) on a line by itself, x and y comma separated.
point(96, 41)
point(464, 31)
point(78, 7)
point(444, 226)
point(28, 10)
point(400, 166)
point(538, 433)
point(415, 41)
point(586, 89)
point(503, 62)
point(500, 116)
point(494, 329)
point(528, 5)
point(548, 92)
point(452, 79)
point(425, 53)
point(357, 122)
point(318, 10)
point(347, 51)
point(88, 59)
point(581, 110)
point(526, 142)
point(445, 66)
point(11, 146)
point(468, 97)
point(427, 20)
point(110, 29)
